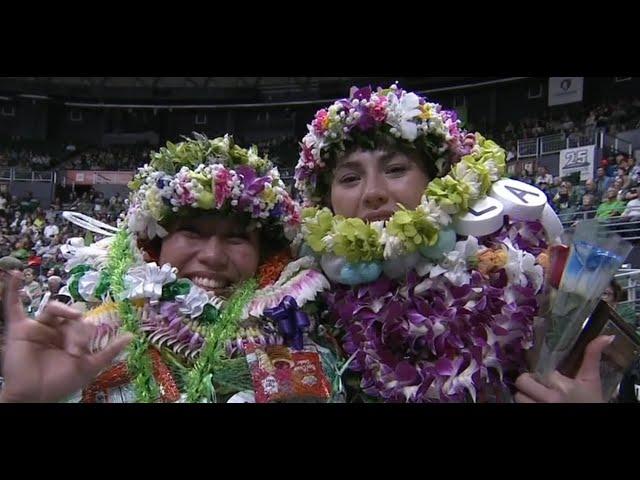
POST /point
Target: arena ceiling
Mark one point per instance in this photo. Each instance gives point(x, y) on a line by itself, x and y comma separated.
point(262, 89)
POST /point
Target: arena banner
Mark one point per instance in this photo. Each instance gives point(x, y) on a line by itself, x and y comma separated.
point(564, 90)
point(579, 159)
point(89, 177)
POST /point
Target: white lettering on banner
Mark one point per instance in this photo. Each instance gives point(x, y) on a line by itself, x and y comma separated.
point(581, 159)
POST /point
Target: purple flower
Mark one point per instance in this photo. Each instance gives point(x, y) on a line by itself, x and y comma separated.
point(438, 342)
point(524, 234)
point(277, 210)
point(252, 186)
point(366, 120)
point(362, 94)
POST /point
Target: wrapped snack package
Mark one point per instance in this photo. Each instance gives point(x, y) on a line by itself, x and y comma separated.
point(283, 375)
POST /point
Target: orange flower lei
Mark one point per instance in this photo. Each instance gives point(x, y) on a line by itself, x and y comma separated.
point(270, 271)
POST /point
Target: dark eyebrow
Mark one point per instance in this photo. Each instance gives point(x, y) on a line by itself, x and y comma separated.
point(355, 165)
point(352, 164)
point(387, 157)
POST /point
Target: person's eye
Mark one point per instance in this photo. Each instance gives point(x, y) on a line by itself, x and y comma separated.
point(238, 239)
point(348, 178)
point(397, 169)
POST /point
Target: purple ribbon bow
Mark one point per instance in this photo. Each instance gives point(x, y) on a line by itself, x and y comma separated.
point(291, 321)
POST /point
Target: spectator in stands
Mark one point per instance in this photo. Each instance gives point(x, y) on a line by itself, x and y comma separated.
point(563, 201)
point(29, 203)
point(20, 252)
point(622, 160)
point(545, 189)
point(635, 171)
point(618, 186)
point(54, 283)
point(602, 117)
point(587, 209)
point(590, 124)
point(39, 222)
point(603, 182)
point(630, 193)
point(575, 193)
point(3, 204)
point(615, 295)
point(610, 166)
point(622, 174)
point(33, 289)
point(51, 230)
point(633, 205)
point(544, 176)
point(567, 124)
point(611, 207)
point(553, 189)
point(525, 176)
point(588, 188)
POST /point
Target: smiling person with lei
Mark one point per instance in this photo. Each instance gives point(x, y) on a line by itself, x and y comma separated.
point(195, 298)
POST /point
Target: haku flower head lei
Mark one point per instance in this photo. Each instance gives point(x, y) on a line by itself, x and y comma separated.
point(370, 117)
point(208, 175)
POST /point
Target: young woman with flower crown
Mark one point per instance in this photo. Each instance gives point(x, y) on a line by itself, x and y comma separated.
point(216, 311)
point(435, 261)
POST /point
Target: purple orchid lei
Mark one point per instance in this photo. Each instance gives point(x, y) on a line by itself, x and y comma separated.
point(427, 340)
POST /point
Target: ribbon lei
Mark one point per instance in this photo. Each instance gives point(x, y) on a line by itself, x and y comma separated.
point(291, 321)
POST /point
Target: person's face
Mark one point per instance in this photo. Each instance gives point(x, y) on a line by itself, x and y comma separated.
point(213, 252)
point(50, 273)
point(586, 202)
point(370, 184)
point(541, 171)
point(612, 194)
point(28, 277)
point(608, 295)
point(600, 172)
point(563, 190)
point(590, 185)
point(621, 172)
point(618, 183)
